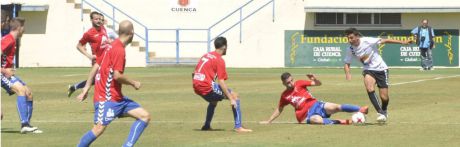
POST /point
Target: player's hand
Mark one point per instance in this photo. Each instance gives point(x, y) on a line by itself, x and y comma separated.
point(311, 76)
point(137, 85)
point(233, 103)
point(264, 122)
point(348, 76)
point(82, 96)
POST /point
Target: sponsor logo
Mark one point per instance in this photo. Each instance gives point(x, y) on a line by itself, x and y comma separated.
point(184, 6)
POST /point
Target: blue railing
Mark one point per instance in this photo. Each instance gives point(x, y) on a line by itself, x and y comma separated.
point(178, 41)
point(144, 37)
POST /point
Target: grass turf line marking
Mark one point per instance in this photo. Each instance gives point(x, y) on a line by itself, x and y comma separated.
point(423, 80)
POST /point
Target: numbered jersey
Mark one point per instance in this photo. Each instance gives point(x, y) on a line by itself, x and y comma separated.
point(367, 52)
point(299, 98)
point(210, 67)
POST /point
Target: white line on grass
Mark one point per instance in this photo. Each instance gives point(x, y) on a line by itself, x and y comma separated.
point(199, 122)
point(71, 75)
point(423, 80)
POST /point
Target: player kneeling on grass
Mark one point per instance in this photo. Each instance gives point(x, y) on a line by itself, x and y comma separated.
point(109, 101)
point(212, 66)
point(308, 108)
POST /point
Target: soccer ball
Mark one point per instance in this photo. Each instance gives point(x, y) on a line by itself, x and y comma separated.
point(358, 118)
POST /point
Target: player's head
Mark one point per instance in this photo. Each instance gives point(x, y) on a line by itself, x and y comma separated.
point(425, 23)
point(126, 31)
point(5, 19)
point(353, 36)
point(17, 25)
point(103, 20)
point(221, 44)
point(95, 19)
point(287, 80)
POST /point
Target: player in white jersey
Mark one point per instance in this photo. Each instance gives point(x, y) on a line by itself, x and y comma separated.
point(375, 70)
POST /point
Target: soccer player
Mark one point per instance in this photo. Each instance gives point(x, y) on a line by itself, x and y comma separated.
point(209, 82)
point(307, 108)
point(111, 34)
point(13, 84)
point(109, 102)
point(97, 37)
point(375, 70)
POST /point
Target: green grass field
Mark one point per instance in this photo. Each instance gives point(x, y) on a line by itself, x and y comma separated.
point(424, 113)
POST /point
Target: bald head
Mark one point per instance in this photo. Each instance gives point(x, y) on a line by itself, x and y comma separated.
point(126, 32)
point(126, 28)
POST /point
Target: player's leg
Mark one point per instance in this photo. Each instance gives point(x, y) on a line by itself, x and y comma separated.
point(209, 115)
point(74, 87)
point(316, 120)
point(142, 119)
point(237, 114)
point(213, 97)
point(382, 83)
point(332, 108)
point(29, 102)
point(103, 115)
point(91, 135)
point(369, 83)
point(320, 112)
point(385, 99)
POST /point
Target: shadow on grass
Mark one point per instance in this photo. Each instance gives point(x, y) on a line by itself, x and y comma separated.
point(209, 130)
point(10, 130)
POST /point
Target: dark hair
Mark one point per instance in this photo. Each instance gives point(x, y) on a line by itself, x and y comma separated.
point(94, 13)
point(353, 31)
point(17, 22)
point(220, 42)
point(285, 76)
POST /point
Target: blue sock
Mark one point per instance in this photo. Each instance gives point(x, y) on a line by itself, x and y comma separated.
point(80, 84)
point(30, 107)
point(209, 115)
point(349, 108)
point(237, 114)
point(22, 109)
point(87, 139)
point(136, 130)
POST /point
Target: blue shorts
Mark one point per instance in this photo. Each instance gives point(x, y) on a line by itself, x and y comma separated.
point(216, 93)
point(8, 82)
point(106, 112)
point(317, 109)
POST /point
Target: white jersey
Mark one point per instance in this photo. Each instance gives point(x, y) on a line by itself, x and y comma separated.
point(367, 52)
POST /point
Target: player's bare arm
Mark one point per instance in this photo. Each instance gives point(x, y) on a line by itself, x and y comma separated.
point(123, 79)
point(82, 50)
point(346, 68)
point(396, 41)
point(275, 115)
point(84, 93)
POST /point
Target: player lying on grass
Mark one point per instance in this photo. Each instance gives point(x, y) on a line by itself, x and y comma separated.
point(307, 108)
